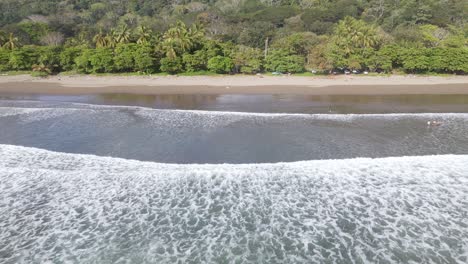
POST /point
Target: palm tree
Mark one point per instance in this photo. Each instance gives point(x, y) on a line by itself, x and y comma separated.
point(144, 35)
point(79, 40)
point(177, 40)
point(196, 32)
point(12, 42)
point(352, 34)
point(100, 40)
point(362, 35)
point(123, 35)
point(111, 39)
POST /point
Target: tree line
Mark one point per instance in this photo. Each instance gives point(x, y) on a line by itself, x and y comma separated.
point(244, 36)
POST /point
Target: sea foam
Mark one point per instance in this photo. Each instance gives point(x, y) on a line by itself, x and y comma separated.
point(70, 208)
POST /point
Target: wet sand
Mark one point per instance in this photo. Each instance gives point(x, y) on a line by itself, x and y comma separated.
point(334, 85)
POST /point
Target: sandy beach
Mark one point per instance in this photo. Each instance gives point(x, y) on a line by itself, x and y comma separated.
point(25, 84)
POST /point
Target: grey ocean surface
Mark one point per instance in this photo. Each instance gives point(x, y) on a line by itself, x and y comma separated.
point(288, 202)
point(179, 136)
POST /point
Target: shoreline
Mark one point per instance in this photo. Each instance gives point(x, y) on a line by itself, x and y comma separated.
point(332, 85)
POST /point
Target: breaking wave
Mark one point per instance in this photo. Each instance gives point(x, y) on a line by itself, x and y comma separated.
point(86, 209)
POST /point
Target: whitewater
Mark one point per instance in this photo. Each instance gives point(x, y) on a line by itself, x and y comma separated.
point(58, 207)
point(71, 208)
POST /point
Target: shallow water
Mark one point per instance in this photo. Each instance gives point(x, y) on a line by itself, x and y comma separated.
point(172, 136)
point(311, 104)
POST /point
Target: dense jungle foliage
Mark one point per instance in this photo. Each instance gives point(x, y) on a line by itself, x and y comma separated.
point(234, 36)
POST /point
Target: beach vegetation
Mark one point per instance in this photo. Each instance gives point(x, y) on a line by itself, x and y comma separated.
point(283, 61)
point(4, 59)
point(49, 58)
point(124, 57)
point(40, 70)
point(68, 57)
point(145, 59)
point(102, 60)
point(248, 60)
point(83, 61)
point(221, 64)
point(198, 61)
point(11, 42)
point(23, 58)
point(225, 37)
point(172, 65)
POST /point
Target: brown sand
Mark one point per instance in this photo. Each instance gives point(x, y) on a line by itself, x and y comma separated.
point(235, 85)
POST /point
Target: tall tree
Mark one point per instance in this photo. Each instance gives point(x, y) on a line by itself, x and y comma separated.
point(111, 39)
point(144, 35)
point(352, 34)
point(12, 42)
point(122, 35)
point(100, 40)
point(177, 40)
point(352, 41)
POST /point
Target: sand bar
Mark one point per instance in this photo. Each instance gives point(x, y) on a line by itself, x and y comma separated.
point(235, 85)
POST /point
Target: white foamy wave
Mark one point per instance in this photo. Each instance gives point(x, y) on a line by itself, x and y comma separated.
point(340, 117)
point(32, 106)
point(30, 114)
point(192, 118)
point(33, 114)
point(86, 209)
point(13, 111)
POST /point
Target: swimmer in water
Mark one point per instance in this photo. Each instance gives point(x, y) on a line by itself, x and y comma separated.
point(434, 123)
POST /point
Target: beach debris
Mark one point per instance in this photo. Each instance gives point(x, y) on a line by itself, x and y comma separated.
point(313, 71)
point(366, 72)
point(434, 123)
point(276, 73)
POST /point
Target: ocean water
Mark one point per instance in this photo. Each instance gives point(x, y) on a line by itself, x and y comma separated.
point(71, 208)
point(184, 137)
point(270, 103)
point(105, 184)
